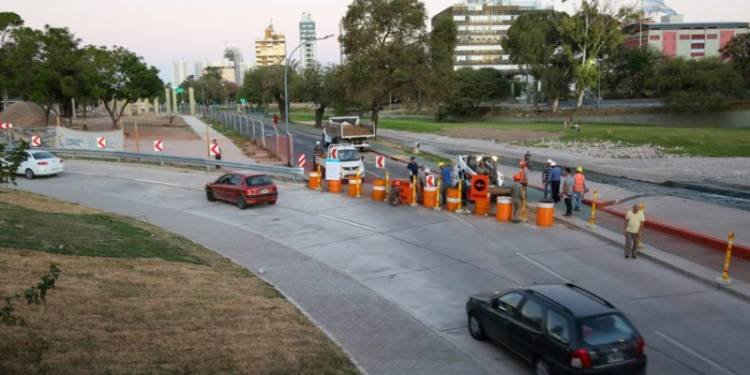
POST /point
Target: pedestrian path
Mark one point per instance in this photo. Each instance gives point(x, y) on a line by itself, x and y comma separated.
point(230, 152)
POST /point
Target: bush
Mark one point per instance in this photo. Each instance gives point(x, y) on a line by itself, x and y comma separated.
point(474, 90)
point(698, 85)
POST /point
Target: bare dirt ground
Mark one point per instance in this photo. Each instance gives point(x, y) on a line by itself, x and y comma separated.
point(497, 135)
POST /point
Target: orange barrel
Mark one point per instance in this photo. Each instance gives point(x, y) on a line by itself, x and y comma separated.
point(404, 190)
point(314, 181)
point(334, 186)
point(353, 185)
point(545, 214)
point(452, 200)
point(429, 196)
point(482, 206)
point(504, 209)
point(378, 190)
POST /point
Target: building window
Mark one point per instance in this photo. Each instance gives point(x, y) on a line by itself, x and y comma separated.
point(654, 37)
point(684, 37)
point(698, 45)
point(713, 36)
point(698, 36)
point(698, 54)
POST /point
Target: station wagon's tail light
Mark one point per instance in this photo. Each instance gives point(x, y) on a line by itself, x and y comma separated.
point(580, 358)
point(250, 192)
point(41, 163)
point(61, 161)
point(640, 345)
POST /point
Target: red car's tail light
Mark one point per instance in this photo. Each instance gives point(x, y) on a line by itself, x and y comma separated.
point(640, 345)
point(580, 359)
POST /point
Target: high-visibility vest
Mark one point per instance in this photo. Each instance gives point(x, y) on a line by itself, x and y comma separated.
point(579, 183)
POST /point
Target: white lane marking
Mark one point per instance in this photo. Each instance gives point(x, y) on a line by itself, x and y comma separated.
point(160, 183)
point(542, 266)
point(340, 220)
point(695, 354)
point(462, 220)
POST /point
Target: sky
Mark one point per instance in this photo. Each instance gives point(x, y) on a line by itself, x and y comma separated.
point(165, 30)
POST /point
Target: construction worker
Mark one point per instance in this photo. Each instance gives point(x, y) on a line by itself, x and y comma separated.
point(555, 177)
point(579, 188)
point(317, 151)
point(523, 174)
point(515, 193)
point(412, 169)
point(527, 158)
point(545, 177)
point(446, 177)
point(482, 169)
point(567, 191)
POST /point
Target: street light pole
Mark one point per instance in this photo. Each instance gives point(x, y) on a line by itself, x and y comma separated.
point(286, 70)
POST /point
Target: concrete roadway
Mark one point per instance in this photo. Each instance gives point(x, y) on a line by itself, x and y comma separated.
point(390, 284)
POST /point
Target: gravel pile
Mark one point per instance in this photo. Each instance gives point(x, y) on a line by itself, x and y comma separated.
point(614, 150)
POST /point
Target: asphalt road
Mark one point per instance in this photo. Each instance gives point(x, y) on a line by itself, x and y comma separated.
point(390, 284)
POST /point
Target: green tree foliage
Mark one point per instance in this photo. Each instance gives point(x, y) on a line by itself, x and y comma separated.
point(384, 42)
point(209, 87)
point(474, 92)
point(10, 160)
point(588, 35)
point(321, 86)
point(534, 41)
point(631, 72)
point(442, 44)
point(697, 85)
point(265, 84)
point(738, 51)
point(8, 22)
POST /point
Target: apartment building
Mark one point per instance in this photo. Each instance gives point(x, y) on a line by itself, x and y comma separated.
point(271, 50)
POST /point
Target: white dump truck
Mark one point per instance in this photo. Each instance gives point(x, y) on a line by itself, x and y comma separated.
point(343, 157)
point(347, 129)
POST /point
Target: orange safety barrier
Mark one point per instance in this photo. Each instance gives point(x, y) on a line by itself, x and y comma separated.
point(545, 214)
point(504, 209)
point(452, 199)
point(429, 196)
point(334, 186)
point(314, 181)
point(378, 190)
point(404, 187)
point(353, 189)
point(482, 206)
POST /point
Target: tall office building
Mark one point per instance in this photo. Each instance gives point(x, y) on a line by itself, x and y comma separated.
point(271, 50)
point(234, 55)
point(307, 35)
point(179, 72)
point(198, 68)
point(481, 26)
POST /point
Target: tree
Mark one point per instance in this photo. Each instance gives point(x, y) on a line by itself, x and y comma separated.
point(319, 85)
point(588, 35)
point(383, 41)
point(8, 22)
point(631, 71)
point(10, 160)
point(121, 78)
point(697, 85)
point(474, 91)
point(738, 51)
point(534, 41)
point(442, 43)
point(265, 84)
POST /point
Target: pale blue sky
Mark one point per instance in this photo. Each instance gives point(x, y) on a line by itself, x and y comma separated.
point(164, 30)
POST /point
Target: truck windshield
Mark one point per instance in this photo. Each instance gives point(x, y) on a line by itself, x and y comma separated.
point(348, 155)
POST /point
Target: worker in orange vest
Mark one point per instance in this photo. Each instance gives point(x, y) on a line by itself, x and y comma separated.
point(579, 188)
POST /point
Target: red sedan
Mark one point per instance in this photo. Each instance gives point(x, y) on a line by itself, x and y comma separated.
point(243, 189)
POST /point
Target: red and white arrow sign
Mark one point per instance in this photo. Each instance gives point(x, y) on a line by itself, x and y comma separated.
point(6, 125)
point(215, 151)
point(158, 145)
point(101, 142)
point(36, 141)
point(430, 180)
point(301, 161)
point(380, 162)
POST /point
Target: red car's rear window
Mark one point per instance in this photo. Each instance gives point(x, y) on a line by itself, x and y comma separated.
point(258, 180)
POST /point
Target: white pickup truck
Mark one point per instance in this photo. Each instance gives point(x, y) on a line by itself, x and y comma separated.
point(346, 158)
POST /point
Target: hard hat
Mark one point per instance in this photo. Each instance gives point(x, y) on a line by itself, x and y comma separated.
point(427, 170)
point(317, 142)
point(441, 164)
point(579, 169)
point(549, 161)
point(552, 163)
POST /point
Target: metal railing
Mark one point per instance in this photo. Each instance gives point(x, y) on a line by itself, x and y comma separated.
point(293, 173)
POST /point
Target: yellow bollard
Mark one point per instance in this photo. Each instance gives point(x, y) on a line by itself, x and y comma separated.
point(414, 191)
point(387, 187)
point(592, 219)
point(460, 196)
point(359, 186)
point(524, 211)
point(320, 185)
point(437, 200)
point(725, 272)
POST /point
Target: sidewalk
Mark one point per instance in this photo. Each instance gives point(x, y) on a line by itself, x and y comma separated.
point(229, 152)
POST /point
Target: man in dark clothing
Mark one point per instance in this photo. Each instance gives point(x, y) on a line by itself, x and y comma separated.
point(567, 191)
point(412, 168)
point(446, 177)
point(555, 176)
point(545, 177)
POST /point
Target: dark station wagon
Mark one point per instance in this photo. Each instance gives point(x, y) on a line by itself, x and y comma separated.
point(560, 329)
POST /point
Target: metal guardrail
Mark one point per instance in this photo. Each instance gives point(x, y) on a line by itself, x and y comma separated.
point(294, 173)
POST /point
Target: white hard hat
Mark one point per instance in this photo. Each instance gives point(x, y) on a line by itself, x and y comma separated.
point(549, 161)
point(427, 170)
point(552, 163)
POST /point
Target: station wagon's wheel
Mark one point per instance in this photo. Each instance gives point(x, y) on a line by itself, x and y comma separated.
point(541, 367)
point(210, 195)
point(30, 174)
point(475, 327)
point(272, 202)
point(241, 204)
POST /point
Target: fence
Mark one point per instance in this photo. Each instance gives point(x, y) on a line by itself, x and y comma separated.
point(60, 137)
point(267, 136)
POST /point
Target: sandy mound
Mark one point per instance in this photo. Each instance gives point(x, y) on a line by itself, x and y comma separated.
point(25, 115)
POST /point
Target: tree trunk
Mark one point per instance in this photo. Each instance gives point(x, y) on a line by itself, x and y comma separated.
point(282, 107)
point(579, 104)
point(47, 110)
point(375, 117)
point(112, 111)
point(555, 104)
point(319, 112)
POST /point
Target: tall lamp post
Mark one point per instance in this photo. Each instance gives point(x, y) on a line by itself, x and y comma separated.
point(286, 69)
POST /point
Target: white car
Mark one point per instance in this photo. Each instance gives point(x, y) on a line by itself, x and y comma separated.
point(40, 163)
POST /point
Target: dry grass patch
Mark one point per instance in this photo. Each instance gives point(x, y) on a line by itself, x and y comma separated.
point(149, 315)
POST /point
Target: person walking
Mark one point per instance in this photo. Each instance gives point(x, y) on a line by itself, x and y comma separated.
point(579, 188)
point(516, 191)
point(545, 178)
point(633, 224)
point(446, 177)
point(555, 176)
point(215, 145)
point(567, 191)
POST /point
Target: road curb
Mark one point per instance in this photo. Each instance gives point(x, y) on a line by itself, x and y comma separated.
point(695, 271)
